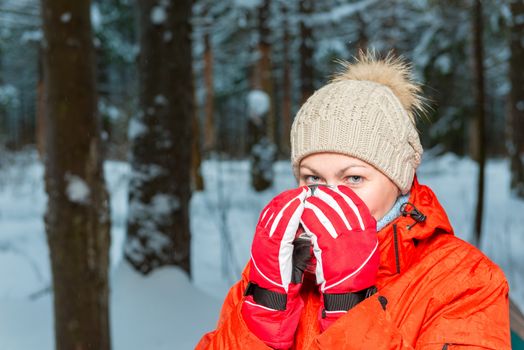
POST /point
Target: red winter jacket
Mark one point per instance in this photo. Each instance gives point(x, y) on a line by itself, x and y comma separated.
point(441, 293)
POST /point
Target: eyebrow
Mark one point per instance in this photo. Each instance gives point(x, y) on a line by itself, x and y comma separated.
point(340, 172)
point(310, 169)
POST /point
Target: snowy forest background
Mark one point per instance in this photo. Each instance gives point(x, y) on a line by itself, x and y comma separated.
point(139, 141)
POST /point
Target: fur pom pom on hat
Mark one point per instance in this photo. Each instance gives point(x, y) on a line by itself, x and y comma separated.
point(367, 111)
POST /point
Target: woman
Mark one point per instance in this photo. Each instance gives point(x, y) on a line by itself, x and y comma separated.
point(362, 256)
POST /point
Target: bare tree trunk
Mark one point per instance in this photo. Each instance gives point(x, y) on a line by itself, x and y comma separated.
point(209, 109)
point(481, 112)
point(261, 124)
point(40, 108)
point(286, 85)
point(516, 110)
point(306, 50)
point(362, 43)
point(263, 72)
point(77, 218)
point(391, 26)
point(162, 143)
point(196, 159)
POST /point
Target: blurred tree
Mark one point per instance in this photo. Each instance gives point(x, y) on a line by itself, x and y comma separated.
point(197, 180)
point(19, 36)
point(114, 24)
point(496, 66)
point(223, 29)
point(286, 105)
point(442, 56)
point(161, 134)
point(363, 39)
point(40, 109)
point(306, 50)
point(435, 35)
point(262, 151)
point(516, 100)
point(261, 111)
point(209, 85)
point(262, 77)
point(479, 125)
point(77, 218)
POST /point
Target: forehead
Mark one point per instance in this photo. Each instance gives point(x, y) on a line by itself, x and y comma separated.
point(331, 161)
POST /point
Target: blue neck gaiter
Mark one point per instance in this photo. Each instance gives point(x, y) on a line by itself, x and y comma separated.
point(393, 213)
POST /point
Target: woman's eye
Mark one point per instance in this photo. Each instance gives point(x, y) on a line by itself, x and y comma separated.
point(355, 179)
point(312, 179)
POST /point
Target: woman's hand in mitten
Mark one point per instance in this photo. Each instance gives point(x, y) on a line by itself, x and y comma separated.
point(272, 306)
point(345, 245)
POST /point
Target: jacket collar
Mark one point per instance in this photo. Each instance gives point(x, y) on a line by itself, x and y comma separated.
point(421, 218)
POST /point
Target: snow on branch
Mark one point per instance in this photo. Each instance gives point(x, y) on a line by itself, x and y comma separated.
point(257, 104)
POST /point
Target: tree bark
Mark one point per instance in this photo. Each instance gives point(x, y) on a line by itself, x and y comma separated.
point(161, 158)
point(261, 127)
point(516, 98)
point(209, 107)
point(306, 50)
point(263, 72)
point(77, 217)
point(197, 182)
point(286, 84)
point(40, 108)
point(363, 39)
point(481, 112)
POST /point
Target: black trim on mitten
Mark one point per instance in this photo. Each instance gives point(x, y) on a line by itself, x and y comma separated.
point(346, 301)
point(266, 297)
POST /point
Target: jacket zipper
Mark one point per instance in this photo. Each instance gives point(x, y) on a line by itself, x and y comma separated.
point(395, 239)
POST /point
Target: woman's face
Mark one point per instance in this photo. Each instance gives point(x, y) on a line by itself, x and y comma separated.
point(374, 188)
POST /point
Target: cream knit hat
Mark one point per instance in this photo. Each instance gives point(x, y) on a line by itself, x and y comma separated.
point(368, 112)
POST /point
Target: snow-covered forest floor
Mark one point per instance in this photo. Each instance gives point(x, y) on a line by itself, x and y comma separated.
point(166, 310)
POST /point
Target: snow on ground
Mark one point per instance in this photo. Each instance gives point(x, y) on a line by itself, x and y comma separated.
point(159, 312)
point(162, 311)
point(165, 310)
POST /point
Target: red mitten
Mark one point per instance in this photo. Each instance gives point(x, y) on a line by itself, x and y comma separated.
point(345, 245)
point(272, 306)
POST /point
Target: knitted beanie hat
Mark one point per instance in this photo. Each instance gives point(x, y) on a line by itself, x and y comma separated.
point(368, 112)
